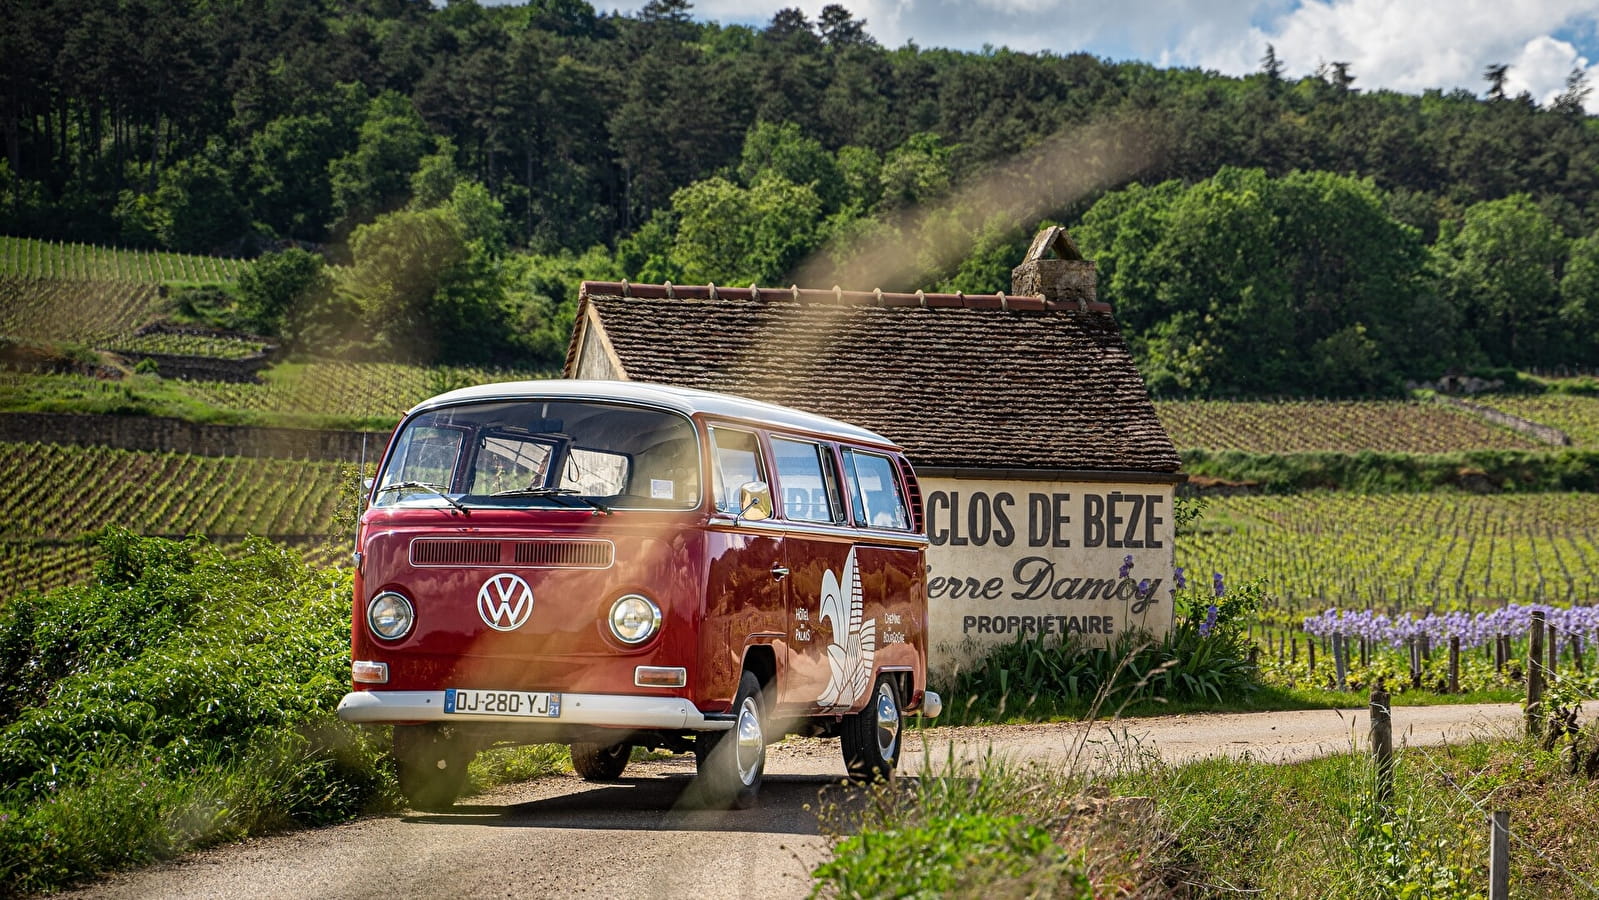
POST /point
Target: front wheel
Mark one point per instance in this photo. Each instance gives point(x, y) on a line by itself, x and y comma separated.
point(432, 765)
point(730, 763)
point(871, 737)
point(600, 762)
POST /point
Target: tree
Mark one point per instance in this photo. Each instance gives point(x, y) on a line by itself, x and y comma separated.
point(916, 170)
point(1501, 268)
point(1574, 98)
point(399, 263)
point(1249, 284)
point(1579, 302)
point(195, 207)
point(376, 176)
point(785, 152)
point(839, 29)
point(1495, 74)
point(276, 283)
point(732, 235)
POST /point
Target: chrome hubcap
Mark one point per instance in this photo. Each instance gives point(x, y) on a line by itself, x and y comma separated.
point(751, 745)
point(887, 722)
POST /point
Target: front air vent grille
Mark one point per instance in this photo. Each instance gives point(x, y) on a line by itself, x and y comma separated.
point(455, 553)
point(565, 554)
point(549, 554)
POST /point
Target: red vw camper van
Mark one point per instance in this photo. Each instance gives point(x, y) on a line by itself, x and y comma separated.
point(613, 565)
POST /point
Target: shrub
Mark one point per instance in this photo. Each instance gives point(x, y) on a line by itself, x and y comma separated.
point(190, 699)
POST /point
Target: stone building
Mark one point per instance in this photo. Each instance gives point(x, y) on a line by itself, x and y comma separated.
point(1041, 460)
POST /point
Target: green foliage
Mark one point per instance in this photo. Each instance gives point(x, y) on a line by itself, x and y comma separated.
point(375, 176)
point(189, 702)
point(195, 209)
point(1247, 283)
point(962, 853)
point(278, 282)
point(744, 235)
point(1501, 271)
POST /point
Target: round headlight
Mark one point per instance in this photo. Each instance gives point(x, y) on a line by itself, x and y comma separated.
point(390, 615)
point(634, 618)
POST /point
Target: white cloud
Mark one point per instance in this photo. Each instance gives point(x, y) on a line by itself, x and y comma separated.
point(1421, 44)
point(1402, 45)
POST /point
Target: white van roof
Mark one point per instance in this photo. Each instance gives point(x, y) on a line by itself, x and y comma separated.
point(687, 401)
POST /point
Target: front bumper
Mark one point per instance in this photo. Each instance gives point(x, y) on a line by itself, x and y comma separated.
point(599, 710)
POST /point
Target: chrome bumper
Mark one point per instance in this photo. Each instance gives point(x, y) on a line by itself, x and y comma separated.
point(602, 710)
point(932, 705)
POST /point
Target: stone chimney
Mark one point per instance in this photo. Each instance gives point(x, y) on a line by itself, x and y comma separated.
point(1066, 277)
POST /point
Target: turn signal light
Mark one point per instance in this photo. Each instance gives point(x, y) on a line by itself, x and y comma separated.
point(368, 672)
point(660, 676)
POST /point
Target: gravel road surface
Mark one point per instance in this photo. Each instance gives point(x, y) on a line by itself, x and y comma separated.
point(563, 837)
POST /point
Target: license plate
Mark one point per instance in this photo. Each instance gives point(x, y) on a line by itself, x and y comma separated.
point(533, 704)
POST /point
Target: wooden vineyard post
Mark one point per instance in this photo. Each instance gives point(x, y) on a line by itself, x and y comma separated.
point(1554, 651)
point(1310, 650)
point(1382, 743)
point(1576, 651)
point(1535, 676)
point(1340, 665)
point(1454, 664)
point(1499, 857)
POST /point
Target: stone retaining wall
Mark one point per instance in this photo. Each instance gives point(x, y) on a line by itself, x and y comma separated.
point(1535, 430)
point(164, 435)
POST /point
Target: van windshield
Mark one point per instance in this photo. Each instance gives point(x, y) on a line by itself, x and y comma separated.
point(554, 453)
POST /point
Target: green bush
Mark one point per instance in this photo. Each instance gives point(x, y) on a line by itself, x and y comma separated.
point(955, 855)
point(184, 697)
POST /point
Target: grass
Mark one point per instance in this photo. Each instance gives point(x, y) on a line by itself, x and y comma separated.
point(1221, 827)
point(183, 698)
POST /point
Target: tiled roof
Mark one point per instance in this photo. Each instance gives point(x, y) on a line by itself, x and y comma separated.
point(989, 382)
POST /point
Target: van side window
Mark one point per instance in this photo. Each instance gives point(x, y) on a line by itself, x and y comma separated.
point(737, 461)
point(805, 473)
point(874, 491)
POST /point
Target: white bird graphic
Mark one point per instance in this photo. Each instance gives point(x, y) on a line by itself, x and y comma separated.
point(854, 641)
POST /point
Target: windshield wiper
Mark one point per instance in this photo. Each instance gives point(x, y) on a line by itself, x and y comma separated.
point(424, 486)
point(553, 492)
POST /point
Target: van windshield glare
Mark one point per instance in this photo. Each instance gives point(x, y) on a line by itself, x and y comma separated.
point(545, 453)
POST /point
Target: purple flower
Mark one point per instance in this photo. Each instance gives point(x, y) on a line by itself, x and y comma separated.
point(1127, 566)
point(1216, 582)
point(1143, 588)
point(1206, 626)
point(1177, 577)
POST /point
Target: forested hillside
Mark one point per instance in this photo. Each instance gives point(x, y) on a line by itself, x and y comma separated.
point(463, 166)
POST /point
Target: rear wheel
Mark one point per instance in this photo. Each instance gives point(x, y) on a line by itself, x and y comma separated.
point(600, 762)
point(730, 763)
point(871, 737)
point(432, 765)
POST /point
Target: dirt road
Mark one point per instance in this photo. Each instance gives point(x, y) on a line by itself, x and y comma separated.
point(562, 837)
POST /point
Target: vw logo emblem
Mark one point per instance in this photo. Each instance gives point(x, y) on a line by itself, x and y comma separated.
point(504, 602)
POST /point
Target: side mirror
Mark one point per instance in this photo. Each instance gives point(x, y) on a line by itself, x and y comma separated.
point(755, 501)
point(366, 484)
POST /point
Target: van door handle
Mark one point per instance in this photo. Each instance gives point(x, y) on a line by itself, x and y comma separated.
point(780, 572)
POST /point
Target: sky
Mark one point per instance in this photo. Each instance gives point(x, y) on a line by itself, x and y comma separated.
point(1400, 45)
